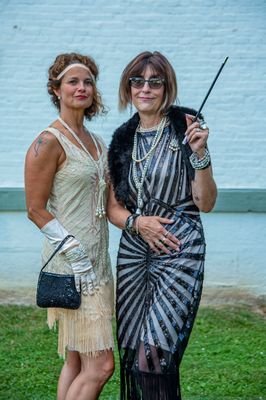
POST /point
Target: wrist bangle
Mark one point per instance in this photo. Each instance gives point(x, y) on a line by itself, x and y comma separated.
point(137, 224)
point(200, 163)
point(75, 254)
point(129, 224)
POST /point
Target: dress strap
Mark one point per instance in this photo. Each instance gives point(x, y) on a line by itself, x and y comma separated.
point(69, 147)
point(55, 132)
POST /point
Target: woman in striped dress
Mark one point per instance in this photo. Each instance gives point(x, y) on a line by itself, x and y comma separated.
point(161, 176)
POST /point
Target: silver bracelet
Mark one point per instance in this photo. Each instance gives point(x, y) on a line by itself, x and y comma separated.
point(129, 224)
point(200, 163)
point(75, 254)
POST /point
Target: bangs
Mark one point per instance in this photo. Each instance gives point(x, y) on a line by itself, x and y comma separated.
point(140, 67)
point(159, 66)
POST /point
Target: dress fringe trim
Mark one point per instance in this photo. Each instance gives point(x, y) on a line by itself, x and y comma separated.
point(87, 330)
point(147, 386)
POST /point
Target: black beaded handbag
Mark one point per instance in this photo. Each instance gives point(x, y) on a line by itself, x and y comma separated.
point(57, 290)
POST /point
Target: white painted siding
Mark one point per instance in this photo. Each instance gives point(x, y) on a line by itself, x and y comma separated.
point(195, 35)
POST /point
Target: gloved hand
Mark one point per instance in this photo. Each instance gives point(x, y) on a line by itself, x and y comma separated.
point(55, 233)
point(85, 278)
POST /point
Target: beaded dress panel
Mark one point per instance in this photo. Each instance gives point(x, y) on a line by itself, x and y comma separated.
point(73, 201)
point(158, 295)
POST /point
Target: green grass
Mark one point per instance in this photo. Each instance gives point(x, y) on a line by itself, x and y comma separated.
point(225, 358)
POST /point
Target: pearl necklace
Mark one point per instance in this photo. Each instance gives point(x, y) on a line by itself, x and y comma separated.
point(155, 141)
point(141, 129)
point(151, 129)
point(100, 209)
point(139, 182)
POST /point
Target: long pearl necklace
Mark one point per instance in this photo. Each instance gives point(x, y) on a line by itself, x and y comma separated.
point(155, 141)
point(139, 182)
point(100, 209)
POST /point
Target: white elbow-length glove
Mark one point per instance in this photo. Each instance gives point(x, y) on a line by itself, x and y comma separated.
point(85, 277)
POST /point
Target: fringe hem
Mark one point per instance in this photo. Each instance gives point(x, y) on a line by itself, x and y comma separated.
point(89, 337)
point(90, 354)
point(147, 386)
point(87, 330)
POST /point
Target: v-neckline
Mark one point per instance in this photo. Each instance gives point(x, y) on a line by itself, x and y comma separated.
point(88, 155)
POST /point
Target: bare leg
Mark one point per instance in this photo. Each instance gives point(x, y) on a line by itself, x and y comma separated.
point(95, 372)
point(69, 372)
point(143, 365)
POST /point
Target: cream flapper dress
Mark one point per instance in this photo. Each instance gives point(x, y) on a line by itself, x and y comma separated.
point(73, 200)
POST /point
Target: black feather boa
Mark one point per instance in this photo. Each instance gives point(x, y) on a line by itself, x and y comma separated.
point(120, 149)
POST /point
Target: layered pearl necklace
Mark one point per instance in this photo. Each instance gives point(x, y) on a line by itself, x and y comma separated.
point(139, 182)
point(100, 209)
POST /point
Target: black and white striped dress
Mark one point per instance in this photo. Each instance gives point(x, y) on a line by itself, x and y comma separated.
point(158, 295)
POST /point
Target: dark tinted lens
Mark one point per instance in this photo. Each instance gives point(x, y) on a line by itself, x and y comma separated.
point(155, 83)
point(137, 82)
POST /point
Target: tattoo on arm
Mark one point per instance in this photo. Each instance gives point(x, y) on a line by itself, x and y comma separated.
point(39, 142)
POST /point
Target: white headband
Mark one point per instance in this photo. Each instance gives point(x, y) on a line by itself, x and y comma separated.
point(73, 66)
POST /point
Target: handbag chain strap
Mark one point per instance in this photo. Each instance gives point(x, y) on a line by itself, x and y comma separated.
point(57, 249)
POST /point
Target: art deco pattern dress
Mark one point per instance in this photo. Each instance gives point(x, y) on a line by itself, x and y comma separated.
point(73, 201)
point(158, 295)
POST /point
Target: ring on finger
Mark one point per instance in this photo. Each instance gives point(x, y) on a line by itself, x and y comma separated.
point(203, 125)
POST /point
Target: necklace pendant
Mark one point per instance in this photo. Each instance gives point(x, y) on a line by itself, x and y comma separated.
point(102, 183)
point(140, 203)
point(100, 212)
point(174, 146)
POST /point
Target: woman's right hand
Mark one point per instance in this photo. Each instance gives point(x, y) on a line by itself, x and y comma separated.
point(153, 232)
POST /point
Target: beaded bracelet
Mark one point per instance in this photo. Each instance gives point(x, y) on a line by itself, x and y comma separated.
point(200, 163)
point(75, 254)
point(129, 224)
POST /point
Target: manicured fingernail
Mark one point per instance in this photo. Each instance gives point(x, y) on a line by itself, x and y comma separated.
point(185, 140)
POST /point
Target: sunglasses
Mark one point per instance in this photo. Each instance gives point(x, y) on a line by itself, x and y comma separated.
point(138, 82)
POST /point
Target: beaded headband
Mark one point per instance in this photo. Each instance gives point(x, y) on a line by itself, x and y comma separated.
point(62, 73)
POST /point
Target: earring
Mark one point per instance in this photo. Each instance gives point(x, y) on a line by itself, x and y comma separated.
point(130, 110)
point(59, 97)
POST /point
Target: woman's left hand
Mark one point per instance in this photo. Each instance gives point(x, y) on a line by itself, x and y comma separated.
point(196, 136)
point(154, 233)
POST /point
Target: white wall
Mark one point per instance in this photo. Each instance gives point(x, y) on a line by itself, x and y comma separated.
point(195, 35)
point(231, 261)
